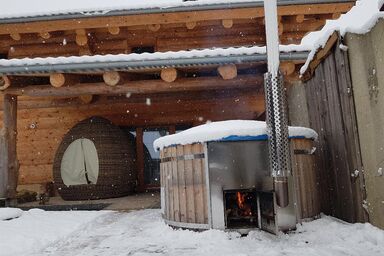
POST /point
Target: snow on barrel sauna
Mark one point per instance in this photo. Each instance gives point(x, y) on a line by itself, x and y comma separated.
point(217, 175)
point(95, 160)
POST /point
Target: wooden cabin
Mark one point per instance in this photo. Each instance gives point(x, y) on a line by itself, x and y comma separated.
point(150, 71)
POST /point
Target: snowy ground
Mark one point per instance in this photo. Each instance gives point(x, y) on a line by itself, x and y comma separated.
point(144, 233)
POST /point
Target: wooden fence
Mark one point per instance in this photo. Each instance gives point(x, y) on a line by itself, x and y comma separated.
point(332, 114)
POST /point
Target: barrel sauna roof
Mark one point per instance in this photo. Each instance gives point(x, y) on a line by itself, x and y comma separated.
point(232, 130)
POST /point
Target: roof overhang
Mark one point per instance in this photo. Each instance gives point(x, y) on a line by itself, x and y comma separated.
point(184, 7)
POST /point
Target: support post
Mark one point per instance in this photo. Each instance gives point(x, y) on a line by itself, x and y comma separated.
point(140, 159)
point(9, 166)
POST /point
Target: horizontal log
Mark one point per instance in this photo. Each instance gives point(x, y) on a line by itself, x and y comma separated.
point(169, 74)
point(113, 78)
point(114, 30)
point(5, 82)
point(154, 27)
point(143, 86)
point(15, 36)
point(227, 23)
point(38, 50)
point(191, 24)
point(81, 37)
point(45, 35)
point(59, 79)
point(287, 68)
point(227, 72)
point(86, 99)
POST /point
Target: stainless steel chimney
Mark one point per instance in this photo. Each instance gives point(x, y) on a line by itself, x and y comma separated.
point(277, 120)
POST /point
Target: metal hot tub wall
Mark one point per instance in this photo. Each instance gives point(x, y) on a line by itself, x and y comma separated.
point(195, 179)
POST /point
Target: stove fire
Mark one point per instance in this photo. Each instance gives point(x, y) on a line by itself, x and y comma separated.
point(241, 208)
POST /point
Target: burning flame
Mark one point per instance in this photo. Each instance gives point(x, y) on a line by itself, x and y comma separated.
point(240, 200)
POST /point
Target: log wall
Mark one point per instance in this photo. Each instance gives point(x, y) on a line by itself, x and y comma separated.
point(42, 122)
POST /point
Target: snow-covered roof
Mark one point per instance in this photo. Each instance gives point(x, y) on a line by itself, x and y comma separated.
point(198, 53)
point(232, 130)
point(191, 57)
point(26, 8)
point(359, 20)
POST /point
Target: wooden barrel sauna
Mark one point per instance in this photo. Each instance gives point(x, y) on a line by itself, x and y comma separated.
point(95, 160)
point(188, 199)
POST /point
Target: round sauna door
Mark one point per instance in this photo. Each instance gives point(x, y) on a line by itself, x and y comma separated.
point(80, 163)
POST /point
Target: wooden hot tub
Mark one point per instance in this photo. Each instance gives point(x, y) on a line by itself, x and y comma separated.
point(204, 175)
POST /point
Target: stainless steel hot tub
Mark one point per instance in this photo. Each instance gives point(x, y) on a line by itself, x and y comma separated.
point(242, 167)
point(227, 185)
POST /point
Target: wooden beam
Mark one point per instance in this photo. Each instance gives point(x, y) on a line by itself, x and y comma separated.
point(59, 79)
point(169, 18)
point(227, 23)
point(143, 86)
point(227, 72)
point(336, 15)
point(9, 164)
point(140, 159)
point(113, 78)
point(5, 82)
point(45, 50)
point(169, 75)
point(154, 27)
point(45, 35)
point(320, 55)
point(3, 168)
point(15, 36)
point(287, 68)
point(86, 99)
point(114, 30)
point(81, 37)
point(191, 24)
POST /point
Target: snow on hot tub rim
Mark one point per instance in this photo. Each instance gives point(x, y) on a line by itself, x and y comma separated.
point(231, 130)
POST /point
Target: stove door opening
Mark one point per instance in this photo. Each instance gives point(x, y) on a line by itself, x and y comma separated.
point(241, 209)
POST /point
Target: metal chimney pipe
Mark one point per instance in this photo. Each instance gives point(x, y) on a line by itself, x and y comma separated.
point(277, 120)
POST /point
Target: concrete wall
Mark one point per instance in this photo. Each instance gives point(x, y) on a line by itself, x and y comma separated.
point(366, 54)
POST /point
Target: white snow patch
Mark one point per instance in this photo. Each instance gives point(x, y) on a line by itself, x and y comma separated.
point(35, 229)
point(214, 131)
point(145, 233)
point(359, 20)
point(10, 213)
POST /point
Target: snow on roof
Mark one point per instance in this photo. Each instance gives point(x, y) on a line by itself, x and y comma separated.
point(232, 130)
point(26, 8)
point(214, 52)
point(359, 20)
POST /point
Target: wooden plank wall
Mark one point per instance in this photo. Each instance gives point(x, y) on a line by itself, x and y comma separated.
point(184, 184)
point(42, 122)
point(332, 115)
point(305, 173)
